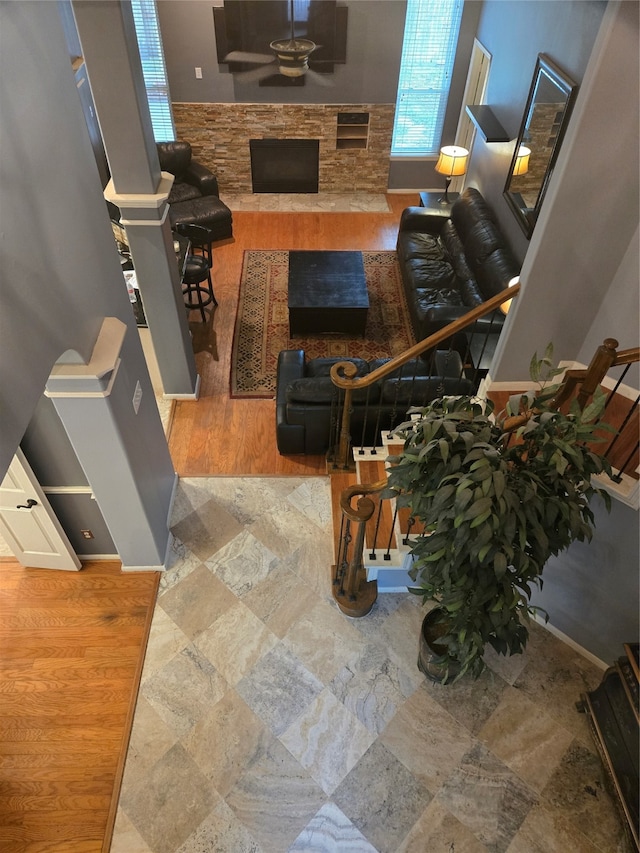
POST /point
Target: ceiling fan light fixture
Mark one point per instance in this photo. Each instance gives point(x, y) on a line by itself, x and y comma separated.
point(293, 55)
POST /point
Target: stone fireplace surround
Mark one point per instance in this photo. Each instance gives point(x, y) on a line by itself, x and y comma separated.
point(219, 135)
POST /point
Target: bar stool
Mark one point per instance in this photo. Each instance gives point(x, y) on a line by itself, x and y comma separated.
point(197, 286)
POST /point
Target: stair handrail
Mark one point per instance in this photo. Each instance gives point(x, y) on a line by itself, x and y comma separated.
point(362, 595)
point(356, 514)
point(589, 378)
point(343, 373)
point(353, 594)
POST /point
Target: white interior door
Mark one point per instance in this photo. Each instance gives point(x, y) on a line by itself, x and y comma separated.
point(474, 93)
point(28, 524)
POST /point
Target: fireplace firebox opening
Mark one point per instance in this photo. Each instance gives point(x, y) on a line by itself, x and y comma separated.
point(284, 165)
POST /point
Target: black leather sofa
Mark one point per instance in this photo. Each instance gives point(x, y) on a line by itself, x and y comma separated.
point(194, 197)
point(307, 401)
point(452, 264)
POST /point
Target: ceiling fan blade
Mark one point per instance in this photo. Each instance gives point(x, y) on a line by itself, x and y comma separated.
point(255, 74)
point(320, 79)
point(242, 56)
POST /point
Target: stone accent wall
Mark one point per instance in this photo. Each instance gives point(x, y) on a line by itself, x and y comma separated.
point(219, 135)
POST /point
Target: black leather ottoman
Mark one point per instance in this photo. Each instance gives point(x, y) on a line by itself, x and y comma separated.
point(208, 211)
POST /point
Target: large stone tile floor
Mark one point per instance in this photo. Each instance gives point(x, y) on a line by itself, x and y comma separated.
point(267, 722)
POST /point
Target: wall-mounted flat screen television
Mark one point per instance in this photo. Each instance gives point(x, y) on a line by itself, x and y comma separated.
point(250, 25)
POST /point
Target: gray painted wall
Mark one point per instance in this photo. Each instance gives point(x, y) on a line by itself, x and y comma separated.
point(591, 590)
point(375, 32)
point(374, 41)
point(59, 270)
point(515, 32)
point(580, 284)
point(619, 311)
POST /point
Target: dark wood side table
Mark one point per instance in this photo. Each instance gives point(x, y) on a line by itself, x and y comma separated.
point(430, 201)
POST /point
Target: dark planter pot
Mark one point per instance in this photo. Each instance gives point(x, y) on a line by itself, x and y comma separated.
point(430, 653)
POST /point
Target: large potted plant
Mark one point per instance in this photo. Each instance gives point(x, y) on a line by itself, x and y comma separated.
point(497, 497)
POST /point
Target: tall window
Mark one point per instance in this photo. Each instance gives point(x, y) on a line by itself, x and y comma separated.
point(145, 17)
point(428, 51)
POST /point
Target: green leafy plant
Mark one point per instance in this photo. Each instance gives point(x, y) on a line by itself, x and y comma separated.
point(497, 497)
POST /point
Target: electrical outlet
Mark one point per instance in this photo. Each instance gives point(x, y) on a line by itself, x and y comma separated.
point(198, 73)
point(87, 534)
point(137, 397)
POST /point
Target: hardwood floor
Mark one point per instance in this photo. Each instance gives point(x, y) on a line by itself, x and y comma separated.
point(72, 644)
point(71, 650)
point(220, 435)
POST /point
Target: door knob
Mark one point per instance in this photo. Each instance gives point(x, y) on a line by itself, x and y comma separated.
point(30, 502)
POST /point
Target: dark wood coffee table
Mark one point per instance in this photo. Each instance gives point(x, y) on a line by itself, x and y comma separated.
point(327, 293)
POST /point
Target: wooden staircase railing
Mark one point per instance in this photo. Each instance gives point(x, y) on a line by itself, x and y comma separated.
point(364, 531)
point(343, 374)
point(354, 594)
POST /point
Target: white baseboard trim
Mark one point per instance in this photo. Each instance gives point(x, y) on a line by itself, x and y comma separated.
point(143, 568)
point(86, 558)
point(569, 642)
point(194, 396)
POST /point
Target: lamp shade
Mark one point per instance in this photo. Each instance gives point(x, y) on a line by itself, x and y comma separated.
point(452, 161)
point(521, 166)
point(507, 305)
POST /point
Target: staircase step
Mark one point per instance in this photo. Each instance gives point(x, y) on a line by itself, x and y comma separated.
point(380, 526)
point(415, 528)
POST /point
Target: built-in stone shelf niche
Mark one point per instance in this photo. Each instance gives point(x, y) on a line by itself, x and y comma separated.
point(219, 135)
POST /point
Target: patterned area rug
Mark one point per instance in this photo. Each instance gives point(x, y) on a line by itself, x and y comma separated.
point(262, 322)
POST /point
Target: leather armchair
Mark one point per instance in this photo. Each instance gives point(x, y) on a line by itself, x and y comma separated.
point(306, 398)
point(194, 197)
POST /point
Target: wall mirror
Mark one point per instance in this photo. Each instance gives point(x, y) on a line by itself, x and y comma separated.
point(544, 122)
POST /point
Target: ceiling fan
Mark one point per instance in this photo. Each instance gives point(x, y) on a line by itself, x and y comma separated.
point(291, 54)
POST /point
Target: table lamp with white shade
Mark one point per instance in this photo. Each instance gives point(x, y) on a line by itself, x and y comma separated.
point(452, 162)
point(521, 165)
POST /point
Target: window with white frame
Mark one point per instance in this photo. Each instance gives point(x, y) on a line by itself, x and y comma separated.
point(428, 53)
point(145, 16)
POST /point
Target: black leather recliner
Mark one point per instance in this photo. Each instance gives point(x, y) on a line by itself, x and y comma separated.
point(193, 199)
point(307, 400)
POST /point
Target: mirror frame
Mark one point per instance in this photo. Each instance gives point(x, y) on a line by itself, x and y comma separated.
point(567, 90)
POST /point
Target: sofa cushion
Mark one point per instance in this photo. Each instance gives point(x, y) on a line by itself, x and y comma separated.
point(322, 391)
point(483, 239)
point(469, 209)
point(425, 297)
point(322, 366)
point(415, 367)
point(417, 244)
point(183, 192)
point(431, 273)
point(455, 251)
point(469, 289)
point(495, 272)
point(415, 392)
point(471, 293)
point(174, 157)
